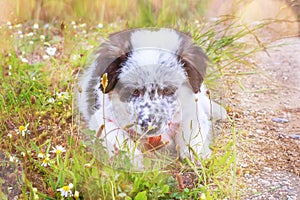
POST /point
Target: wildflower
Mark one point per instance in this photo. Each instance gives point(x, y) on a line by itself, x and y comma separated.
point(75, 57)
point(46, 57)
point(46, 162)
point(8, 23)
point(35, 26)
point(51, 100)
point(100, 25)
point(87, 165)
point(23, 130)
point(82, 25)
point(18, 26)
point(203, 196)
point(13, 159)
point(51, 51)
point(66, 190)
point(42, 37)
point(34, 190)
point(76, 194)
point(58, 150)
point(104, 81)
point(29, 34)
point(63, 95)
point(9, 135)
point(35, 196)
point(24, 60)
point(41, 155)
point(73, 23)
point(31, 42)
point(19, 32)
point(46, 44)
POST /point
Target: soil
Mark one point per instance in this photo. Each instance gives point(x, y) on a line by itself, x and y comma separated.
point(266, 105)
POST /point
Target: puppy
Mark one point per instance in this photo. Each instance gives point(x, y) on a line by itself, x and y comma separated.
point(145, 87)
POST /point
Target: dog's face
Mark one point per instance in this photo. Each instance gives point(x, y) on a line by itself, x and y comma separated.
point(145, 70)
point(147, 90)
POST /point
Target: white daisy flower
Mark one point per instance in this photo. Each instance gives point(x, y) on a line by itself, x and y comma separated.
point(75, 57)
point(66, 191)
point(29, 34)
point(41, 155)
point(42, 37)
point(35, 26)
point(63, 95)
point(51, 51)
point(13, 159)
point(46, 57)
point(100, 25)
point(58, 149)
point(51, 100)
point(23, 130)
point(24, 60)
point(46, 162)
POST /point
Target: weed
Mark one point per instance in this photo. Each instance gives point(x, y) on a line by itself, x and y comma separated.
point(38, 75)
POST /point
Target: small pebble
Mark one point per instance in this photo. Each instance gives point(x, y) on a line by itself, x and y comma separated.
point(280, 120)
point(295, 136)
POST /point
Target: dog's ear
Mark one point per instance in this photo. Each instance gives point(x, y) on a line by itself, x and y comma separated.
point(194, 62)
point(110, 56)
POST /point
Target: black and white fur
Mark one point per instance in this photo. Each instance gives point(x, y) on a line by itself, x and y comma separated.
point(154, 87)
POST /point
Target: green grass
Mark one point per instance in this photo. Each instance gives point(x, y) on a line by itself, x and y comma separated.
point(30, 93)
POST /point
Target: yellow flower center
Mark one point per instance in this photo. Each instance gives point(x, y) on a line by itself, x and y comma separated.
point(66, 188)
point(22, 128)
point(46, 160)
point(58, 151)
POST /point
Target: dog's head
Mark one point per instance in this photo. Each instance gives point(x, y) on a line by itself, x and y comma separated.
point(146, 70)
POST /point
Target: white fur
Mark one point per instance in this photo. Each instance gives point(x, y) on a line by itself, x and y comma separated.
point(142, 69)
point(166, 39)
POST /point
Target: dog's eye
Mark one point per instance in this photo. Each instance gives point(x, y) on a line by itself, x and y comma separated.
point(168, 92)
point(136, 93)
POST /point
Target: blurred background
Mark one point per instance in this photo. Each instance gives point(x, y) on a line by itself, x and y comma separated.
point(166, 11)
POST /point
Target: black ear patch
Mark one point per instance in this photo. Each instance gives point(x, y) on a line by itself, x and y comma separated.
point(113, 71)
point(194, 76)
point(194, 61)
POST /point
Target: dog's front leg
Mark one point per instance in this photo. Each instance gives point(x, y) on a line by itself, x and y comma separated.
point(114, 139)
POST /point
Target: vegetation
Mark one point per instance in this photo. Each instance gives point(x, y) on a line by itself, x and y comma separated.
point(44, 154)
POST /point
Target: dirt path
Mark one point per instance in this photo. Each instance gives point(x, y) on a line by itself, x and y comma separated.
point(267, 111)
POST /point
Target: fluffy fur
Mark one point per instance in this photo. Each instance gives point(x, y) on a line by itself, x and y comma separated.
point(154, 89)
